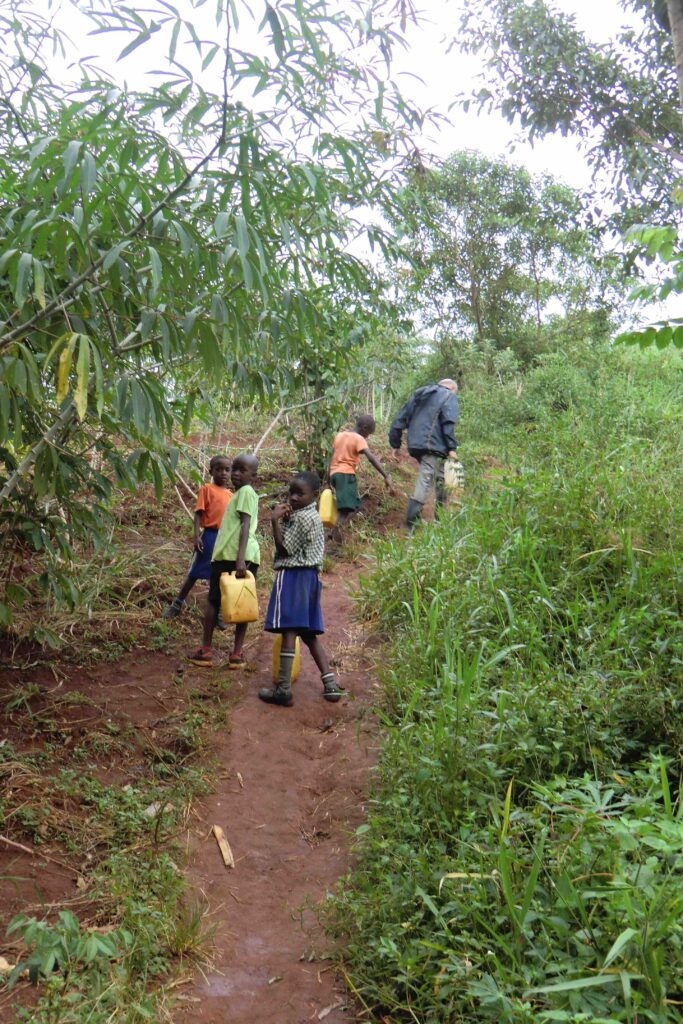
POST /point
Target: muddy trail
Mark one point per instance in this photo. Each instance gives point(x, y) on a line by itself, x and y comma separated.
point(289, 795)
point(288, 786)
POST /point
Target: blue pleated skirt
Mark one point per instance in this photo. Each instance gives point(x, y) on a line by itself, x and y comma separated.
point(200, 566)
point(295, 602)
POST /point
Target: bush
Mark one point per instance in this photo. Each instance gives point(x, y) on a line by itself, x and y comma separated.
point(522, 861)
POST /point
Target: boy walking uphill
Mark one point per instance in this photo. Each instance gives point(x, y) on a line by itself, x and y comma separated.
point(236, 550)
point(347, 449)
point(212, 501)
point(294, 606)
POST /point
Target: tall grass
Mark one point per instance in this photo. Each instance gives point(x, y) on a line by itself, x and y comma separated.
point(523, 860)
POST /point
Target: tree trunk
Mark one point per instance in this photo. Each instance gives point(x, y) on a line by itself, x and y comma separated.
point(675, 10)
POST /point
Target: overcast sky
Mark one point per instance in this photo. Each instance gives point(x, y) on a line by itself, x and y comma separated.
point(444, 75)
point(447, 74)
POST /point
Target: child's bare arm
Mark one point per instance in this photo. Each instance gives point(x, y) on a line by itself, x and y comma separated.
point(280, 512)
point(376, 464)
point(198, 542)
point(240, 561)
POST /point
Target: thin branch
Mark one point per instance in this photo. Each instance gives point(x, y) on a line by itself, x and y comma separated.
point(180, 498)
point(61, 423)
point(289, 408)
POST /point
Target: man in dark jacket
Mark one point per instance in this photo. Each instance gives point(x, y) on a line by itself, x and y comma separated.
point(429, 416)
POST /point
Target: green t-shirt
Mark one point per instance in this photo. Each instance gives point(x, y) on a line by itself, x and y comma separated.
point(228, 539)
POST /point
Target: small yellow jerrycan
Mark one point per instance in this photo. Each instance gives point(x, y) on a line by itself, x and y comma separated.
point(238, 598)
point(277, 647)
point(328, 507)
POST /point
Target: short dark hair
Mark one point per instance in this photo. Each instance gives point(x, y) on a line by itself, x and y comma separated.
point(218, 458)
point(309, 478)
point(366, 420)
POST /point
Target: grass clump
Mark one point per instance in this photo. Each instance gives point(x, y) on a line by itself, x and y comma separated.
point(523, 861)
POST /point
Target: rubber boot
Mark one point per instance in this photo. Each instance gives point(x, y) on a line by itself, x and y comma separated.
point(332, 691)
point(281, 693)
point(414, 514)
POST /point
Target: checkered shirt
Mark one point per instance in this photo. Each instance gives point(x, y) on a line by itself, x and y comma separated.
point(304, 540)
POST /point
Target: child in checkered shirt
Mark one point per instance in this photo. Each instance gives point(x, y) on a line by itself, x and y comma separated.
point(294, 606)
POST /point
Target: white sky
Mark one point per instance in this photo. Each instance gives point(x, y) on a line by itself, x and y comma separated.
point(445, 75)
point(425, 72)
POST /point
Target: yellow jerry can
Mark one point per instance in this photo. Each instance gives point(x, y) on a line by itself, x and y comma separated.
point(328, 507)
point(277, 647)
point(238, 598)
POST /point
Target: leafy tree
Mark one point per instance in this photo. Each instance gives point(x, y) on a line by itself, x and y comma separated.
point(619, 100)
point(163, 245)
point(493, 248)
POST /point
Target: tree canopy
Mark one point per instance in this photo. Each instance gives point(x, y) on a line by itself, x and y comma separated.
point(496, 251)
point(159, 243)
point(618, 99)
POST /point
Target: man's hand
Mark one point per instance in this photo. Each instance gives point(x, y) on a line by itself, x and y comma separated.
point(240, 568)
point(281, 511)
point(452, 455)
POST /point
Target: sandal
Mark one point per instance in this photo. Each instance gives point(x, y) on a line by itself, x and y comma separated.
point(202, 657)
point(236, 661)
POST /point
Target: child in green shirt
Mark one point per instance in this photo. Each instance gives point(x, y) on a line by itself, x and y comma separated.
point(236, 550)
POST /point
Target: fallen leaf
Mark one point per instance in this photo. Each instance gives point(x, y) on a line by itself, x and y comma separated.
point(328, 1009)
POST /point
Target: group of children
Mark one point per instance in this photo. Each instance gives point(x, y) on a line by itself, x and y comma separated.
point(225, 541)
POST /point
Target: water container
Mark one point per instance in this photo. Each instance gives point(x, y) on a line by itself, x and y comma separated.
point(238, 598)
point(454, 475)
point(277, 647)
point(328, 507)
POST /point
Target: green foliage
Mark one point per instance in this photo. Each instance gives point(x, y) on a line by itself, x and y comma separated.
point(522, 859)
point(167, 250)
point(658, 245)
point(618, 99)
point(493, 247)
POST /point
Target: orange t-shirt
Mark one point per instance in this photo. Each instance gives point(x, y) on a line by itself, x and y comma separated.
point(212, 502)
point(346, 451)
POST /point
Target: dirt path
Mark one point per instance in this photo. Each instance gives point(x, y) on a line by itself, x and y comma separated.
point(303, 776)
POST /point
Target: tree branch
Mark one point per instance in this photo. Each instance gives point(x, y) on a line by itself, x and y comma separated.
point(61, 423)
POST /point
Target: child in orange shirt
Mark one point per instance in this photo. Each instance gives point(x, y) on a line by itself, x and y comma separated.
point(212, 501)
point(347, 449)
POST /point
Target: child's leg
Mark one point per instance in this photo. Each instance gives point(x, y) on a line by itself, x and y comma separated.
point(318, 652)
point(331, 689)
point(236, 659)
point(210, 620)
point(342, 519)
point(176, 606)
point(281, 693)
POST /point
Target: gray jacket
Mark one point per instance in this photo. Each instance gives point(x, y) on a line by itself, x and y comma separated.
point(429, 416)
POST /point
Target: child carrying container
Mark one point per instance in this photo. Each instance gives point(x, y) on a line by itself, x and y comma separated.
point(212, 501)
point(347, 449)
point(236, 550)
point(294, 606)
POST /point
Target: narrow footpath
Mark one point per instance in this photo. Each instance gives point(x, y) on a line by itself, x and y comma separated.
point(291, 789)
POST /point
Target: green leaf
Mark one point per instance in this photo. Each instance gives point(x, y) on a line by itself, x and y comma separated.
point(114, 254)
point(621, 941)
point(39, 282)
point(570, 986)
point(276, 29)
point(157, 270)
point(70, 157)
point(24, 275)
point(88, 173)
point(139, 40)
point(242, 230)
